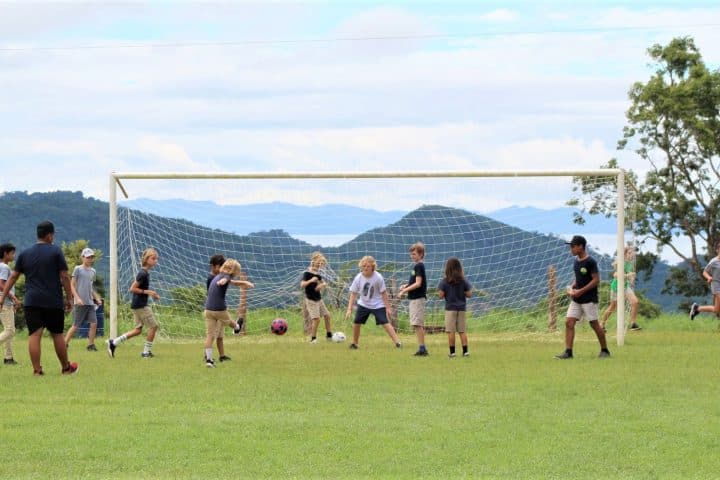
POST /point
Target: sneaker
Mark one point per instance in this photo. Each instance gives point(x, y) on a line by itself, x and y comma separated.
point(38, 373)
point(328, 336)
point(398, 345)
point(236, 331)
point(353, 346)
point(147, 355)
point(451, 355)
point(604, 354)
point(10, 361)
point(209, 363)
point(635, 327)
point(313, 341)
point(694, 310)
point(564, 356)
point(71, 369)
point(466, 354)
point(421, 353)
point(111, 348)
point(91, 348)
point(224, 358)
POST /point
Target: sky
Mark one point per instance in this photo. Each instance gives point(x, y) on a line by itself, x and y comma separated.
point(92, 88)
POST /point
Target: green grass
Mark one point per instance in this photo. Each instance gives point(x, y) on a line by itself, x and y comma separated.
point(285, 409)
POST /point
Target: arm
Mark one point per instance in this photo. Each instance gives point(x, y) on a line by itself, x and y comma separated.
point(73, 289)
point(7, 286)
point(593, 283)
point(241, 283)
point(386, 301)
point(351, 302)
point(135, 288)
point(305, 283)
point(65, 280)
point(407, 288)
point(707, 276)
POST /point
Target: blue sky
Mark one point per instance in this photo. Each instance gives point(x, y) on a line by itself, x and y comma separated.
point(90, 88)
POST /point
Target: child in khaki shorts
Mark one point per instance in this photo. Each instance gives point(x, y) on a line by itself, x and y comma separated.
point(416, 290)
point(455, 290)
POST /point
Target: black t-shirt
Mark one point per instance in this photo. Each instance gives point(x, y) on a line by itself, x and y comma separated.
point(143, 281)
point(310, 291)
point(584, 270)
point(420, 292)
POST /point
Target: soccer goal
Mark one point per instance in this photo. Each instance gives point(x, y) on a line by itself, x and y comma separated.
point(507, 228)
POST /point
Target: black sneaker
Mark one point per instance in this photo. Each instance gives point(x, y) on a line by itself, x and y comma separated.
point(694, 310)
point(10, 361)
point(398, 345)
point(147, 355)
point(421, 353)
point(604, 354)
point(91, 348)
point(224, 358)
point(635, 327)
point(236, 331)
point(111, 348)
point(353, 346)
point(209, 363)
point(71, 369)
point(564, 356)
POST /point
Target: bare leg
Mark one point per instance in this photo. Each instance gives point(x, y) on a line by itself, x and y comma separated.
point(600, 333)
point(608, 311)
point(570, 332)
point(420, 334)
point(70, 334)
point(91, 333)
point(356, 333)
point(34, 348)
point(391, 331)
point(60, 349)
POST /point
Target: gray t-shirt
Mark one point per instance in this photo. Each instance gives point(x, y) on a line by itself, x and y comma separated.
point(369, 290)
point(5, 275)
point(84, 278)
point(713, 268)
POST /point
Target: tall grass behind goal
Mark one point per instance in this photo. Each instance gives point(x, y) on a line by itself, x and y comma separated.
point(271, 223)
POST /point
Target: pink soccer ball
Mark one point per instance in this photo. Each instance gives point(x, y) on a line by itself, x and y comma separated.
point(279, 326)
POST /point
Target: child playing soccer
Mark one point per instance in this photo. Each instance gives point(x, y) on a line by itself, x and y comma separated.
point(86, 300)
point(584, 298)
point(142, 313)
point(216, 313)
point(416, 290)
point(711, 273)
point(313, 285)
point(368, 288)
point(629, 293)
point(455, 289)
point(216, 261)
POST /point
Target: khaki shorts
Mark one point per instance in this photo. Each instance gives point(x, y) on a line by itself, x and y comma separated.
point(144, 318)
point(455, 321)
point(215, 322)
point(316, 308)
point(416, 309)
point(588, 311)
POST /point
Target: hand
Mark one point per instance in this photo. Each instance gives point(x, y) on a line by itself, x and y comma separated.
point(348, 313)
point(68, 305)
point(153, 294)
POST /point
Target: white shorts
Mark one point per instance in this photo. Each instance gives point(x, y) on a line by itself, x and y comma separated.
point(588, 311)
point(613, 294)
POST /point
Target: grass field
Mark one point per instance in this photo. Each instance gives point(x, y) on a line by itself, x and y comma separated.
point(285, 409)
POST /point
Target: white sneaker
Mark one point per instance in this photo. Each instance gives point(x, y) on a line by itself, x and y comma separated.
point(209, 363)
point(313, 341)
point(451, 355)
point(466, 354)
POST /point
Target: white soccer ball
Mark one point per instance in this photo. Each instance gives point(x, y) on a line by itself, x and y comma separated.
point(338, 337)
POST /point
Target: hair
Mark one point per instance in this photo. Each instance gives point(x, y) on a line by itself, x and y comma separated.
point(147, 253)
point(419, 248)
point(231, 267)
point(317, 259)
point(45, 228)
point(454, 270)
point(368, 259)
point(217, 260)
point(6, 248)
point(629, 249)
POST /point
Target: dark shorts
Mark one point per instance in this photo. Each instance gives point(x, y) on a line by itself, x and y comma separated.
point(51, 318)
point(363, 313)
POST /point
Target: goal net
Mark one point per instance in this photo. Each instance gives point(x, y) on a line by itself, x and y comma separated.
point(508, 230)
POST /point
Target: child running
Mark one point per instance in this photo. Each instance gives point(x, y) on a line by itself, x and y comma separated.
point(455, 289)
point(142, 313)
point(86, 300)
point(216, 313)
point(313, 284)
point(416, 290)
point(711, 273)
point(368, 288)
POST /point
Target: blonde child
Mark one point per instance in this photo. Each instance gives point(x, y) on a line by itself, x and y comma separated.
point(85, 299)
point(313, 284)
point(629, 255)
point(455, 289)
point(216, 261)
point(7, 314)
point(368, 288)
point(416, 290)
point(711, 274)
point(142, 313)
point(216, 312)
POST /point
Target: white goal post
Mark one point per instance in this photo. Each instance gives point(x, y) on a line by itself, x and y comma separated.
point(116, 181)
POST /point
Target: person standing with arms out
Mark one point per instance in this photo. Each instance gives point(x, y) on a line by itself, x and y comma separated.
point(46, 276)
point(455, 289)
point(7, 315)
point(142, 313)
point(711, 274)
point(86, 300)
point(416, 290)
point(312, 283)
point(368, 288)
point(584, 298)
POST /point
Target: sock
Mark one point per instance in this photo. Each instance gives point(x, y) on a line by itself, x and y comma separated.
point(422, 347)
point(148, 347)
point(464, 348)
point(452, 349)
point(120, 339)
point(208, 353)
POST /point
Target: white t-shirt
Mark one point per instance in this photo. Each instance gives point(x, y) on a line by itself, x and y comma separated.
point(369, 290)
point(5, 275)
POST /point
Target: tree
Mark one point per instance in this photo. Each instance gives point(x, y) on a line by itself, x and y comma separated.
point(674, 125)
